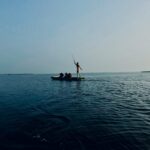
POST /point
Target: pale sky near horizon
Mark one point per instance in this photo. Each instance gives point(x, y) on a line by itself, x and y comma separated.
point(41, 36)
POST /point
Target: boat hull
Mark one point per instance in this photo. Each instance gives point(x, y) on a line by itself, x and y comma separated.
point(67, 79)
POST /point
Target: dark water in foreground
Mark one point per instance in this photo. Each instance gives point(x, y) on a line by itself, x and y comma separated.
point(104, 112)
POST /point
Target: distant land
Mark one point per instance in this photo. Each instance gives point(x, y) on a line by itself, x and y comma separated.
point(145, 71)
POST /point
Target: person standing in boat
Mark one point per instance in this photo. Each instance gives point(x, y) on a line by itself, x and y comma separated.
point(78, 67)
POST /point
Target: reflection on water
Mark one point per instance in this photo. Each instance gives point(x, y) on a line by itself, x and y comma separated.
point(106, 111)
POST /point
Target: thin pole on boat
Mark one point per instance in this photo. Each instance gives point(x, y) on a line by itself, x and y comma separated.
point(73, 59)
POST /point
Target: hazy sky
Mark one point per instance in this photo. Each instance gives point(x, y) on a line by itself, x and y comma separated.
point(40, 36)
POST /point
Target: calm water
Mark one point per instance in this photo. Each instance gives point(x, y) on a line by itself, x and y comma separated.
point(104, 112)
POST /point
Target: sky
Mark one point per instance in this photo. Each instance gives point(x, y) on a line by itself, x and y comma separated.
point(43, 36)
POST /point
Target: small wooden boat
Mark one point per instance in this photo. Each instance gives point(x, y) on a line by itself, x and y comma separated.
point(67, 79)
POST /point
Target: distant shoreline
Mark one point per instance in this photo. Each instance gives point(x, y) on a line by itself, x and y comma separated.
point(145, 71)
point(72, 73)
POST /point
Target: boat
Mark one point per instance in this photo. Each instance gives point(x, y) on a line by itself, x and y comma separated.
point(67, 79)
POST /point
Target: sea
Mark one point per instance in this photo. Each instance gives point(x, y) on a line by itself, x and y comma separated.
point(106, 111)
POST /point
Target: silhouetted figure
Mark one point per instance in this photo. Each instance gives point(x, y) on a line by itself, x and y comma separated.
point(78, 68)
point(66, 75)
point(69, 75)
point(61, 75)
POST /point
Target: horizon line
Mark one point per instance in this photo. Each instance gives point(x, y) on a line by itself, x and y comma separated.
point(73, 72)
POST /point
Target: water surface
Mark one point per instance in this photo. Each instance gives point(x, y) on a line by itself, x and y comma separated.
point(107, 111)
